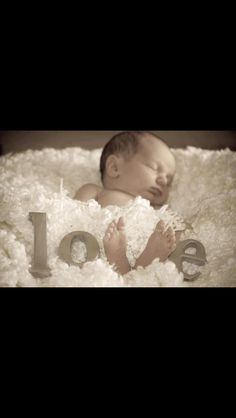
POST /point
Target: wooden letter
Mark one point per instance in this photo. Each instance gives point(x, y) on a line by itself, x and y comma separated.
point(89, 240)
point(179, 255)
point(39, 267)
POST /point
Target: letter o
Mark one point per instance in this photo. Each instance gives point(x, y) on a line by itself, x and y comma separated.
point(88, 239)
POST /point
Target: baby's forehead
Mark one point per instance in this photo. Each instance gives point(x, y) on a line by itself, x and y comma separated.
point(153, 148)
point(154, 145)
point(152, 140)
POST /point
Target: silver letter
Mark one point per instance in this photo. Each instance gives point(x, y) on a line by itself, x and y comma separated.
point(88, 239)
point(179, 255)
point(39, 267)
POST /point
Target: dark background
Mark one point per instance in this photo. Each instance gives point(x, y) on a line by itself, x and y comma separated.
point(18, 141)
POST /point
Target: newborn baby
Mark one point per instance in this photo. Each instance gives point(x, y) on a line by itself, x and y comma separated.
point(134, 164)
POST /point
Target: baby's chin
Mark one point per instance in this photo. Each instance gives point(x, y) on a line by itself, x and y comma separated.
point(159, 201)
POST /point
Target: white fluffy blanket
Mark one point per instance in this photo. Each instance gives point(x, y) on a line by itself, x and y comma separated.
point(203, 194)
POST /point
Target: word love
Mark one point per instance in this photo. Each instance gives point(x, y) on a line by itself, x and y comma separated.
point(40, 269)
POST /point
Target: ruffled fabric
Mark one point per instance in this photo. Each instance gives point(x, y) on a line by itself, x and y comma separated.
point(203, 199)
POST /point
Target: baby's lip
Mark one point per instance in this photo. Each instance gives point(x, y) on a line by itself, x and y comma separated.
point(156, 191)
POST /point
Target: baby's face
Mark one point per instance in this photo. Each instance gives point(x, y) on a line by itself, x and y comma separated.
point(149, 173)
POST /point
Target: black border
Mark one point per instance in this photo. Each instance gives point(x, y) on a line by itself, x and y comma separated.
point(143, 106)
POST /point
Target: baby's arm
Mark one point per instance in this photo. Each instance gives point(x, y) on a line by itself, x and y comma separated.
point(86, 192)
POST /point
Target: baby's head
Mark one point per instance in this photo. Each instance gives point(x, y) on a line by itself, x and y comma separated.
point(138, 163)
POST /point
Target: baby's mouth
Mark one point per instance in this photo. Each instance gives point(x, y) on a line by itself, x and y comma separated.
point(156, 191)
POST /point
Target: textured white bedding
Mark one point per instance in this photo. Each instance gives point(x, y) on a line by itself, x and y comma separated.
point(203, 194)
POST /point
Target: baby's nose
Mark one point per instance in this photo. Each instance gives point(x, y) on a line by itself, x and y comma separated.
point(162, 179)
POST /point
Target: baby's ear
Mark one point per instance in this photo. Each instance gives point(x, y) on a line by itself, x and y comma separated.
point(112, 166)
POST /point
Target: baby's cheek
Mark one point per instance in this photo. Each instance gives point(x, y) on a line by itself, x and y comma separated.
point(165, 195)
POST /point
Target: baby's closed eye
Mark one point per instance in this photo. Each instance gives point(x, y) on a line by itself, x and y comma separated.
point(154, 167)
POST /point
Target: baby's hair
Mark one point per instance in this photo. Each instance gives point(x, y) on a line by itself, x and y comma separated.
point(124, 143)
